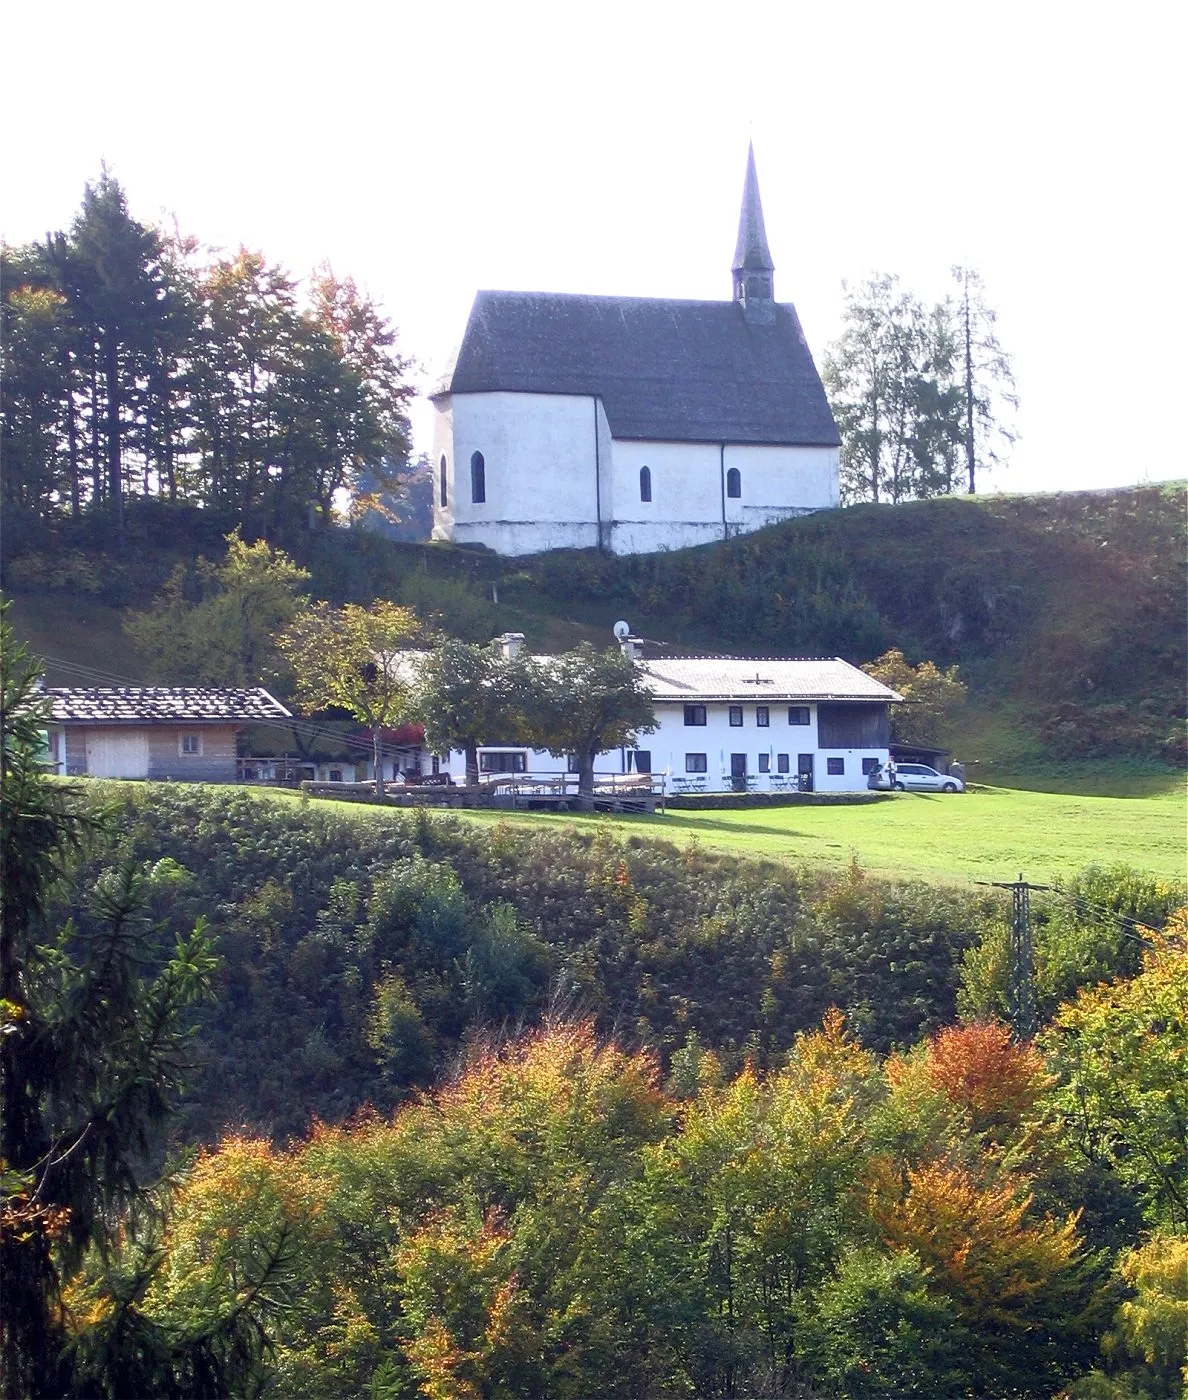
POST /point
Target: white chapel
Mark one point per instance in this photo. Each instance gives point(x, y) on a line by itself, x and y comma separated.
point(633, 424)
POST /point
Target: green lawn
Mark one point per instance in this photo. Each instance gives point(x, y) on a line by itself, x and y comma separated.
point(988, 834)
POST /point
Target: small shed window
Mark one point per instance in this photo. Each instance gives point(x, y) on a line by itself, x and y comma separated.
point(645, 483)
point(734, 483)
point(478, 478)
point(441, 472)
point(189, 745)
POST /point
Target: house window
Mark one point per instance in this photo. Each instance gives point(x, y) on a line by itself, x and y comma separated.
point(694, 714)
point(734, 483)
point(695, 763)
point(478, 478)
point(870, 765)
point(642, 759)
point(835, 767)
point(441, 474)
point(335, 775)
point(572, 763)
point(782, 763)
point(645, 483)
point(504, 762)
point(765, 763)
point(736, 716)
point(762, 716)
point(189, 745)
point(798, 714)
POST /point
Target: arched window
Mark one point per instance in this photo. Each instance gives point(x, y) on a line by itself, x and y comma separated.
point(442, 477)
point(734, 483)
point(645, 483)
point(478, 478)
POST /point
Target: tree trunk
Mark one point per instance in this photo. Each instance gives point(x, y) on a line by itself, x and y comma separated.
point(472, 769)
point(72, 441)
point(115, 483)
point(377, 758)
point(96, 460)
point(586, 781)
point(969, 387)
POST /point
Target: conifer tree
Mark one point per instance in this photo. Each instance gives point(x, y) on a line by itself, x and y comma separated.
point(92, 1049)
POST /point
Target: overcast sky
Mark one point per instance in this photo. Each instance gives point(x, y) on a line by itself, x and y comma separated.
point(432, 149)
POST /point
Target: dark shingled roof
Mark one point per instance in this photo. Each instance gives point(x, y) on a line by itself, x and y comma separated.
point(672, 371)
point(163, 704)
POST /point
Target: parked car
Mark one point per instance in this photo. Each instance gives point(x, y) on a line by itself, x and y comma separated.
point(916, 777)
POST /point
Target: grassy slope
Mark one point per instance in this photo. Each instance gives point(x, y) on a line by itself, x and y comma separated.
point(988, 834)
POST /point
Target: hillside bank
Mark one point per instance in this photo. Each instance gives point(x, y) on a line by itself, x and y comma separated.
point(1066, 613)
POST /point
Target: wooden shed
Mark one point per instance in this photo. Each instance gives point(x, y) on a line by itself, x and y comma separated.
point(178, 733)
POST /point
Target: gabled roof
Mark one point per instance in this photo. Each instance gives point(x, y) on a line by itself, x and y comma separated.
point(163, 704)
point(668, 371)
point(699, 679)
point(778, 679)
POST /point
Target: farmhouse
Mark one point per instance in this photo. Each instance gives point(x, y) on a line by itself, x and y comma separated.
point(723, 724)
point(633, 424)
point(164, 732)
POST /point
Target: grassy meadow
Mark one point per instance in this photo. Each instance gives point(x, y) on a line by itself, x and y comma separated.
point(986, 834)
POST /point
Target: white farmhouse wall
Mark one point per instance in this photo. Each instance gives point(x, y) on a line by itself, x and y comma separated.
point(541, 468)
point(718, 739)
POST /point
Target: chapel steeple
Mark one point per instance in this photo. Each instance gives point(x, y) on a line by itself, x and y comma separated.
point(754, 271)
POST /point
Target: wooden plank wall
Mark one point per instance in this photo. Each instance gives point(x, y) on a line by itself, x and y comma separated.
point(215, 764)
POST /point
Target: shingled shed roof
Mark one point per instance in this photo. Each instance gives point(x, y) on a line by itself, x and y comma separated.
point(163, 704)
point(668, 371)
point(765, 679)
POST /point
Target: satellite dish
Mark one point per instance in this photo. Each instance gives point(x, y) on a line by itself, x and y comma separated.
point(622, 631)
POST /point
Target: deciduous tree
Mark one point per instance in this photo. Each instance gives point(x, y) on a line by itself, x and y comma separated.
point(354, 658)
point(931, 696)
point(917, 389)
point(467, 695)
point(584, 702)
point(228, 635)
point(1120, 1054)
point(889, 380)
point(988, 395)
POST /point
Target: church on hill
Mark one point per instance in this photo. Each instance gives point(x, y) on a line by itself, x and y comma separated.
point(633, 424)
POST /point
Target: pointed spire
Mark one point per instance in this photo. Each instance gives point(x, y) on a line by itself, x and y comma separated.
point(751, 253)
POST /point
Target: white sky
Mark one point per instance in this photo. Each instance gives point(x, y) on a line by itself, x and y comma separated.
point(432, 149)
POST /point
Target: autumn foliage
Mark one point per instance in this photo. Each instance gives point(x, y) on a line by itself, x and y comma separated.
point(982, 1069)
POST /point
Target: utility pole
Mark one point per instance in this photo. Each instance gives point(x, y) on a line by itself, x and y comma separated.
point(1022, 983)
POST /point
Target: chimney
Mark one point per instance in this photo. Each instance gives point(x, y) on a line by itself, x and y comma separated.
point(510, 644)
point(631, 647)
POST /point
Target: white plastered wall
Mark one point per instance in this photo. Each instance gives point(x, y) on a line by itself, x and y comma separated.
point(553, 473)
point(718, 739)
point(778, 482)
point(541, 471)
